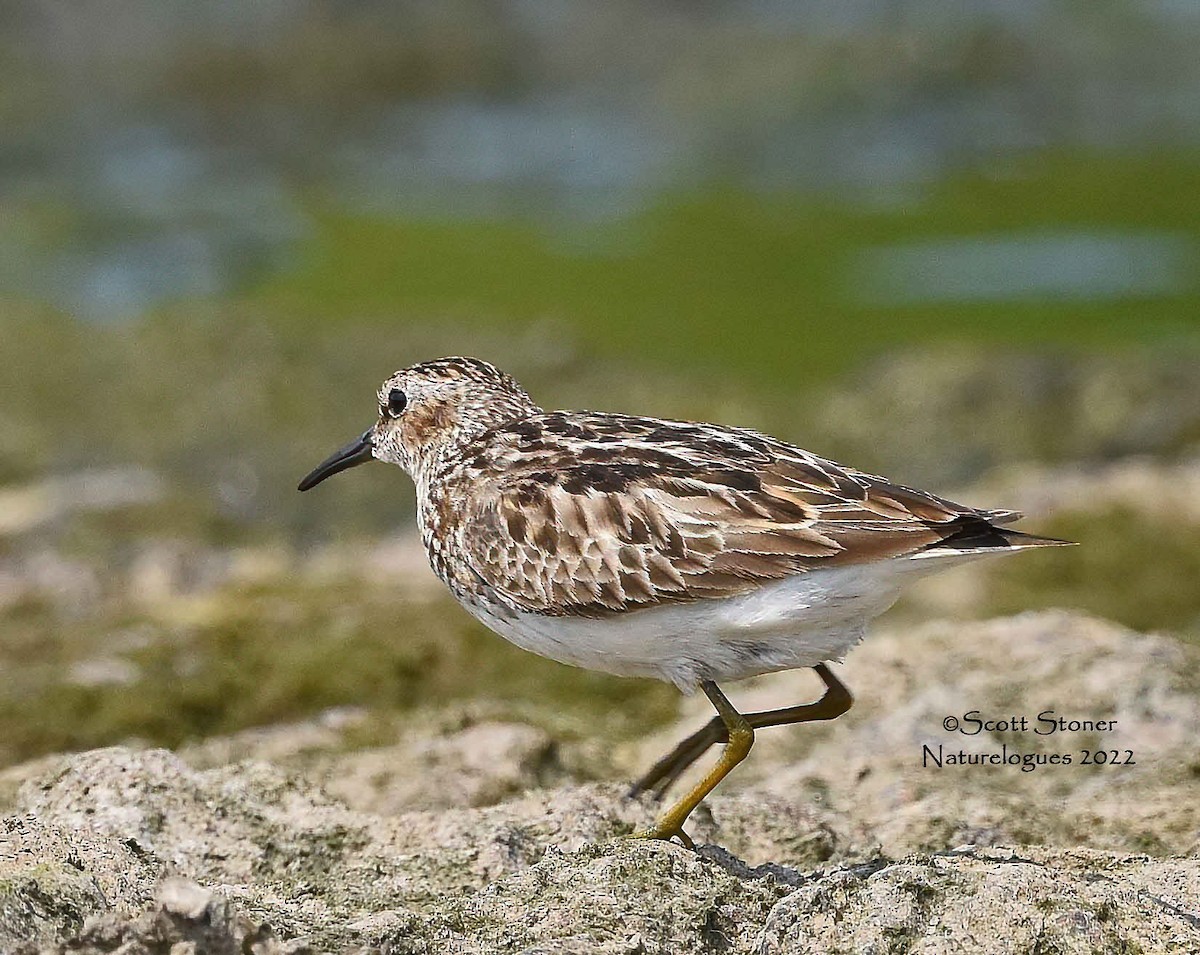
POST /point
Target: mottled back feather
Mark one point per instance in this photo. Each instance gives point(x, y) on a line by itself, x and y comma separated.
point(587, 514)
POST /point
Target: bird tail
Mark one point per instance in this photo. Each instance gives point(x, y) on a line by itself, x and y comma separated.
point(980, 535)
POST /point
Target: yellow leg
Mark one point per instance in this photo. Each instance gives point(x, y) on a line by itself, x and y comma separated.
point(740, 739)
point(666, 771)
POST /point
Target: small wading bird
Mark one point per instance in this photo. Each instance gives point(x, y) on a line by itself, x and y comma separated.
point(693, 553)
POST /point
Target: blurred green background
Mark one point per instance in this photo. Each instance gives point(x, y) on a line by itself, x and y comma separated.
point(956, 244)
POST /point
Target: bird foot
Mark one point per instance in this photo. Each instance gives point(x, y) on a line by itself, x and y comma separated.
point(664, 834)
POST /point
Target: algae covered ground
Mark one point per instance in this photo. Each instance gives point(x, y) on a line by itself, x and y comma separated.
point(778, 290)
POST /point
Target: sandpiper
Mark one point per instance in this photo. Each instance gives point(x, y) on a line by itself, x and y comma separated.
point(693, 553)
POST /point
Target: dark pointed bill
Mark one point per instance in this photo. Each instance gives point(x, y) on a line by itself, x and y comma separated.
point(356, 453)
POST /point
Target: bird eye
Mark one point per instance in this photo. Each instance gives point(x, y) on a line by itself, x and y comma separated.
point(396, 402)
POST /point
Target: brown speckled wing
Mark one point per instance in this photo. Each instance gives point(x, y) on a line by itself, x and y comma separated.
point(573, 523)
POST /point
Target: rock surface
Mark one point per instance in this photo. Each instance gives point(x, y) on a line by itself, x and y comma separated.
point(835, 838)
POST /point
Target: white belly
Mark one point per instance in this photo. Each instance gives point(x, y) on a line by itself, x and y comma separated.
point(796, 622)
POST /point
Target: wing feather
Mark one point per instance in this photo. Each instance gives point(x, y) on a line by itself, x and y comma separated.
point(678, 512)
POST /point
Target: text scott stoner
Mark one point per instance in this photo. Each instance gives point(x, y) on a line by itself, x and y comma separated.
point(1046, 723)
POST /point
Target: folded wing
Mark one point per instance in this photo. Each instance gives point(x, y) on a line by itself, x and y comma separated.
point(710, 513)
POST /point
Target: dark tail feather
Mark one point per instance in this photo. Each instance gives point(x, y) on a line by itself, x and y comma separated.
point(972, 535)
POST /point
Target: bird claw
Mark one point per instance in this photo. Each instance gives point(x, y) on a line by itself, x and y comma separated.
point(664, 834)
